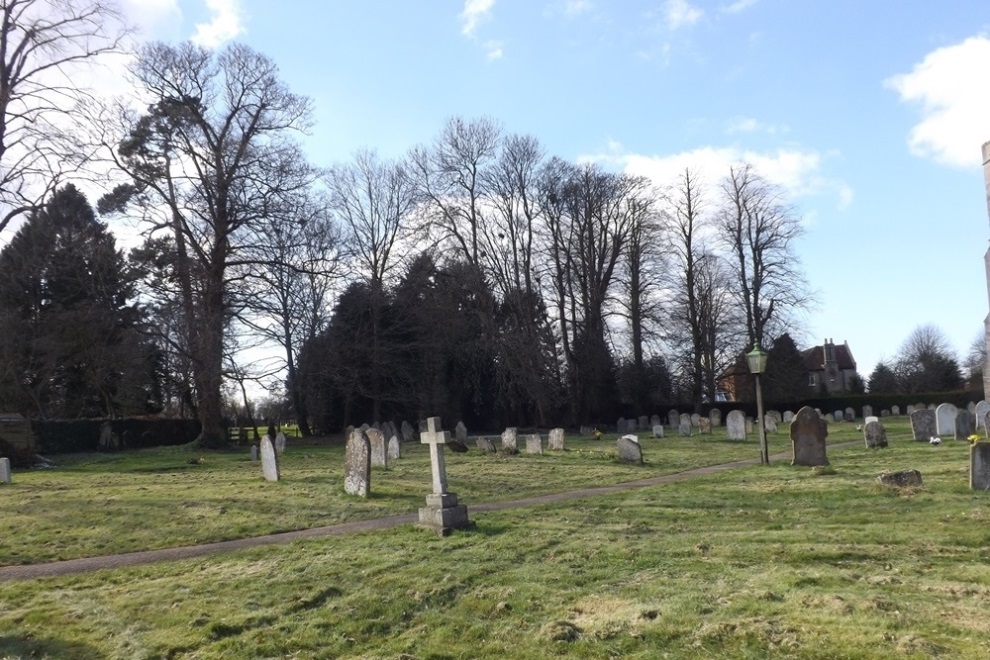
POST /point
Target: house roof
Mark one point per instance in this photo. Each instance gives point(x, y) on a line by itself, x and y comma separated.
point(814, 357)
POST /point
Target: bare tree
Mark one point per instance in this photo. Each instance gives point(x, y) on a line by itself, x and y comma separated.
point(42, 42)
point(926, 362)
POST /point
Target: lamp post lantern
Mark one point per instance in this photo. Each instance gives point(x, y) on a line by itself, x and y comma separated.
point(757, 359)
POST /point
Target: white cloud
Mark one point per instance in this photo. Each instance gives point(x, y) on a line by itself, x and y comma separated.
point(680, 13)
point(750, 125)
point(577, 7)
point(154, 18)
point(475, 12)
point(738, 6)
point(950, 85)
point(493, 50)
point(225, 24)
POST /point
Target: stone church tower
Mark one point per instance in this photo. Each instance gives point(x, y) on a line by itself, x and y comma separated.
point(986, 263)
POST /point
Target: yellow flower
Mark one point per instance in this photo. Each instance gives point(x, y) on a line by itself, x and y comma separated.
point(973, 439)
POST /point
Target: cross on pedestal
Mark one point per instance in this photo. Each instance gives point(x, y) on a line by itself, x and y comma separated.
point(436, 438)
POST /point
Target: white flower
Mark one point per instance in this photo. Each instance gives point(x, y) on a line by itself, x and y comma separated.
point(935, 440)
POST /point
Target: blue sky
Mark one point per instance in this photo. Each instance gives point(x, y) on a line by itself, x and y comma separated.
point(871, 114)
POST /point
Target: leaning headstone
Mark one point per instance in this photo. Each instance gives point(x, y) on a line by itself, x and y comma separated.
point(460, 432)
point(269, 460)
point(555, 441)
point(629, 449)
point(254, 453)
point(735, 425)
point(658, 431)
point(982, 408)
point(923, 424)
point(979, 466)
point(695, 420)
point(788, 416)
point(895, 410)
point(655, 420)
point(775, 416)
point(379, 451)
point(945, 419)
point(280, 443)
point(509, 439)
point(394, 450)
point(485, 444)
point(808, 433)
point(408, 435)
point(901, 479)
point(643, 422)
point(673, 418)
point(715, 417)
point(850, 414)
point(5, 470)
point(357, 464)
point(534, 444)
point(965, 425)
point(875, 435)
point(705, 426)
point(442, 513)
point(867, 411)
point(769, 424)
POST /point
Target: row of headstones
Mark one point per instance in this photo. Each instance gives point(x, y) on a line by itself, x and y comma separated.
point(947, 420)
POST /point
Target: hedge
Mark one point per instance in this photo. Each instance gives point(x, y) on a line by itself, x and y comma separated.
point(77, 435)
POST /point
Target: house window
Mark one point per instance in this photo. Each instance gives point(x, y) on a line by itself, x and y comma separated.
point(811, 380)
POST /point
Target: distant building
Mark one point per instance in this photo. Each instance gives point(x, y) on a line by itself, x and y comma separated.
point(829, 366)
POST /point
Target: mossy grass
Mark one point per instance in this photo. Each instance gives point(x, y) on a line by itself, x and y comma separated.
point(755, 562)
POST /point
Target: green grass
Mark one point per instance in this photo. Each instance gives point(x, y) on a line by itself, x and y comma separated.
point(756, 562)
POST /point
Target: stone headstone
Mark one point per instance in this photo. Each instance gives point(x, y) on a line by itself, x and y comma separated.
point(979, 466)
point(871, 418)
point(684, 429)
point(586, 430)
point(923, 424)
point(629, 449)
point(534, 444)
point(658, 431)
point(965, 425)
point(775, 416)
point(910, 409)
point(509, 439)
point(808, 433)
point(986, 424)
point(630, 426)
point(945, 419)
point(379, 450)
point(982, 408)
point(684, 420)
point(827, 417)
point(555, 440)
point(715, 417)
point(279, 443)
point(655, 420)
point(620, 425)
point(485, 444)
point(5, 470)
point(885, 413)
point(895, 410)
point(839, 415)
point(735, 425)
point(920, 406)
point(364, 427)
point(705, 426)
point(421, 423)
point(875, 435)
point(788, 416)
point(269, 460)
point(769, 424)
point(850, 414)
point(408, 435)
point(971, 407)
point(901, 479)
point(867, 411)
point(460, 433)
point(394, 451)
point(695, 420)
point(357, 464)
point(749, 425)
point(643, 422)
point(673, 419)
point(254, 453)
point(442, 513)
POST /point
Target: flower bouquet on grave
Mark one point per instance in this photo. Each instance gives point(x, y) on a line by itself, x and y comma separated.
point(935, 440)
point(973, 439)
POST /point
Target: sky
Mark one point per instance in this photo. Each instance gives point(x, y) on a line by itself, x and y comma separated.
point(869, 114)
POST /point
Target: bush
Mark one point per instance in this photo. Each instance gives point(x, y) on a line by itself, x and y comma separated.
point(79, 435)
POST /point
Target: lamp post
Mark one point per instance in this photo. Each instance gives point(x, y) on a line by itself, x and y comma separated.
point(757, 359)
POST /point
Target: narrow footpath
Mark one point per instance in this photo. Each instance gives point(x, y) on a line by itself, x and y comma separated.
point(89, 564)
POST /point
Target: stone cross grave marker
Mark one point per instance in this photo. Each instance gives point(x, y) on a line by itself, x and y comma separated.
point(555, 440)
point(379, 450)
point(923, 426)
point(629, 449)
point(874, 434)
point(808, 433)
point(4, 470)
point(357, 464)
point(945, 419)
point(442, 513)
point(269, 459)
point(735, 425)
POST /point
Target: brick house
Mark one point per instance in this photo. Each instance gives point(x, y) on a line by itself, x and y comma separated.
point(830, 366)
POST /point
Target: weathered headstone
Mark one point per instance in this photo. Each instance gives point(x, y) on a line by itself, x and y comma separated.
point(827, 417)
point(910, 409)
point(982, 408)
point(735, 425)
point(979, 466)
point(586, 430)
point(839, 415)
point(658, 431)
point(684, 420)
point(684, 429)
point(509, 440)
point(871, 418)
point(867, 411)
point(534, 444)
point(923, 424)
point(775, 416)
point(704, 426)
point(695, 420)
point(945, 419)
point(269, 460)
point(885, 413)
point(673, 419)
point(629, 449)
point(850, 414)
point(620, 425)
point(769, 424)
point(394, 448)
point(280, 443)
point(254, 453)
point(442, 513)
point(485, 444)
point(875, 435)
point(965, 425)
point(5, 470)
point(460, 433)
point(379, 451)
point(749, 425)
point(408, 435)
point(971, 407)
point(808, 433)
point(555, 440)
point(895, 410)
point(630, 426)
point(900, 479)
point(421, 423)
point(655, 420)
point(715, 417)
point(788, 416)
point(643, 422)
point(357, 464)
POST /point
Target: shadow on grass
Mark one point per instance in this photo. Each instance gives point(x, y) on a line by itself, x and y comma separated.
point(32, 647)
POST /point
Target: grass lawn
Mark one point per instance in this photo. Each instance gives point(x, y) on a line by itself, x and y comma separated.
point(756, 562)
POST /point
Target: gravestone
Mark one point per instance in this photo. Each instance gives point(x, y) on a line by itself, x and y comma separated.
point(895, 410)
point(979, 466)
point(839, 415)
point(827, 417)
point(422, 425)
point(910, 409)
point(684, 429)
point(555, 441)
point(749, 425)
point(279, 443)
point(715, 417)
point(408, 435)
point(850, 414)
point(945, 419)
point(885, 413)
point(629, 449)
point(735, 425)
point(586, 430)
point(655, 420)
point(788, 416)
point(982, 408)
point(920, 406)
point(684, 420)
point(5, 470)
point(900, 479)
point(808, 433)
point(867, 411)
point(254, 453)
point(965, 425)
point(269, 460)
point(658, 431)
point(630, 426)
point(620, 425)
point(509, 440)
point(460, 433)
point(704, 426)
point(442, 513)
point(986, 424)
point(485, 444)
point(534, 444)
point(357, 464)
point(379, 451)
point(106, 436)
point(394, 451)
point(769, 424)
point(673, 418)
point(643, 422)
point(971, 407)
point(871, 418)
point(875, 435)
point(923, 424)
point(695, 420)
point(775, 416)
